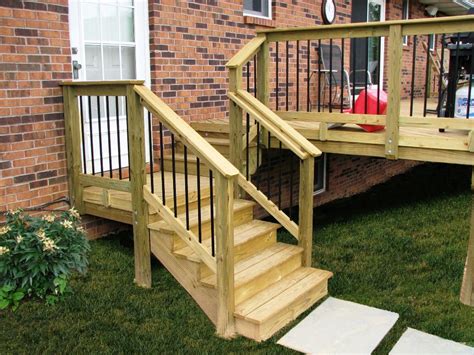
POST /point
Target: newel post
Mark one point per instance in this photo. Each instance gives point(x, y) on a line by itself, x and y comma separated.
point(225, 255)
point(305, 239)
point(136, 138)
point(73, 146)
point(395, 54)
point(235, 124)
point(467, 288)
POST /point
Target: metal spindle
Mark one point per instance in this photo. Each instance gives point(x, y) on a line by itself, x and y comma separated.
point(378, 75)
point(118, 136)
point(280, 173)
point(247, 146)
point(319, 76)
point(150, 150)
point(109, 137)
point(211, 187)
point(292, 166)
point(173, 168)
point(186, 186)
point(198, 183)
point(297, 75)
point(162, 166)
point(413, 65)
point(468, 110)
point(330, 75)
point(427, 79)
point(101, 153)
point(91, 135)
point(441, 74)
point(342, 75)
point(454, 76)
point(277, 91)
point(128, 141)
point(354, 47)
point(83, 135)
point(287, 74)
point(308, 76)
point(366, 83)
point(255, 76)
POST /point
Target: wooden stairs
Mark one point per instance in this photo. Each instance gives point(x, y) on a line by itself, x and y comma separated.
point(271, 286)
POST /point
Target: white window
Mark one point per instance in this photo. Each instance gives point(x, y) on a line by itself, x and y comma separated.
point(405, 16)
point(258, 8)
point(320, 174)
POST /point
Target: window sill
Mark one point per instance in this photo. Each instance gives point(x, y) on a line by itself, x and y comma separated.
point(252, 20)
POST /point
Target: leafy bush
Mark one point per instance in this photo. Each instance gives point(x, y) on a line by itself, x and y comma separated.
point(38, 255)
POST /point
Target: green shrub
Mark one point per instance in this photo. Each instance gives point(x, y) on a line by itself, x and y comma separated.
point(38, 255)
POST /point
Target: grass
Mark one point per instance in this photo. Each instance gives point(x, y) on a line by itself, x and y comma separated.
point(401, 247)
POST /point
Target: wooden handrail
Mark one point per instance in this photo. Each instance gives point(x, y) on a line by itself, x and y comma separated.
point(184, 132)
point(271, 121)
point(247, 52)
point(452, 24)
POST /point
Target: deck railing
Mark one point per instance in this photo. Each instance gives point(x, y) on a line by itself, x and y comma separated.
point(265, 128)
point(88, 111)
point(312, 74)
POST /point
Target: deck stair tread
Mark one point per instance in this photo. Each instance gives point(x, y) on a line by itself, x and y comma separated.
point(242, 234)
point(260, 263)
point(205, 215)
point(279, 296)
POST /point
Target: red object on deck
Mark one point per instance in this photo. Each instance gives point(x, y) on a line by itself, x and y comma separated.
point(359, 107)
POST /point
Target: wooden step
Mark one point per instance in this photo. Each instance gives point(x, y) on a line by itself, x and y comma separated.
point(260, 316)
point(255, 273)
point(249, 238)
point(243, 213)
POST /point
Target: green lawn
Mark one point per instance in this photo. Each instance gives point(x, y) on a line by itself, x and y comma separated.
point(400, 247)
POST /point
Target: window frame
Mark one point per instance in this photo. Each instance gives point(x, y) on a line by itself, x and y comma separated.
point(259, 14)
point(405, 16)
point(324, 185)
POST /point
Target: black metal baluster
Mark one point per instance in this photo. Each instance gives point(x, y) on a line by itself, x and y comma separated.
point(109, 136)
point(100, 138)
point(118, 136)
point(427, 79)
point(366, 83)
point(83, 135)
point(280, 173)
point(287, 74)
point(173, 164)
point(297, 75)
point(454, 75)
point(277, 89)
point(268, 169)
point(150, 151)
point(441, 74)
point(198, 183)
point(378, 75)
point(342, 75)
point(308, 76)
point(247, 146)
point(211, 187)
point(91, 135)
point(319, 76)
point(412, 91)
point(330, 75)
point(353, 54)
point(186, 186)
point(162, 165)
point(128, 140)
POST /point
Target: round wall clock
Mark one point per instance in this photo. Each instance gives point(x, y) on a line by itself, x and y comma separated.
point(328, 11)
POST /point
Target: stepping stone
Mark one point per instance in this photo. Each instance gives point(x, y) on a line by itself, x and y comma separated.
point(415, 342)
point(338, 327)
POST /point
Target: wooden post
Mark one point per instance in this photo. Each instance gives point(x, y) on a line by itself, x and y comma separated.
point(73, 147)
point(305, 239)
point(235, 124)
point(263, 83)
point(136, 137)
point(225, 255)
point(467, 288)
point(394, 87)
